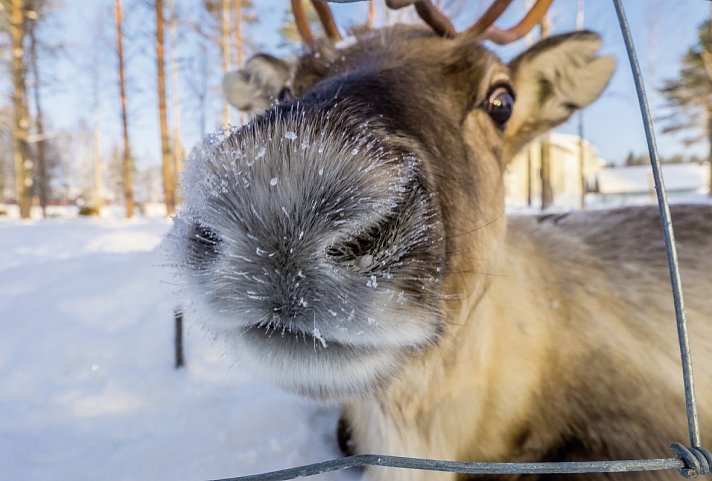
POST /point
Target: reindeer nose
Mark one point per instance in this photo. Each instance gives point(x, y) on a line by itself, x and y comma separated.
point(297, 220)
point(293, 290)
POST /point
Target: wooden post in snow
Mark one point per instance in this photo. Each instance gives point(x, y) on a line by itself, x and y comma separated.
point(178, 339)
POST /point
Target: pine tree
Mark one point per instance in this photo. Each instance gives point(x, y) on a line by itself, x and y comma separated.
point(689, 96)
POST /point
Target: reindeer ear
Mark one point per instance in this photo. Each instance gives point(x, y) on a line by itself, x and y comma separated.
point(553, 79)
point(254, 88)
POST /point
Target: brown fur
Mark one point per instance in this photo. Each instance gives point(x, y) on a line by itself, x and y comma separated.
point(569, 354)
point(559, 340)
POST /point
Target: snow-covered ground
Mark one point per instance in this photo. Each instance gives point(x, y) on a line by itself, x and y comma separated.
point(87, 385)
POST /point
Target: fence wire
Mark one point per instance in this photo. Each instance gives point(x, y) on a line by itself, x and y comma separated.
point(466, 468)
point(669, 235)
point(690, 461)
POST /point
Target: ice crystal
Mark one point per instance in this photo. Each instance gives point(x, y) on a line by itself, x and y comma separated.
point(317, 335)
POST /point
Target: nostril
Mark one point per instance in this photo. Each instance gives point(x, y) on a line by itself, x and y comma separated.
point(205, 238)
point(359, 251)
point(355, 252)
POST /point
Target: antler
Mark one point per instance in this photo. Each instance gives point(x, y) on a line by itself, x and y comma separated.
point(483, 29)
point(430, 15)
point(325, 17)
point(533, 16)
point(327, 20)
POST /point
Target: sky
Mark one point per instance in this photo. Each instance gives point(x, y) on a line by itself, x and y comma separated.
point(662, 30)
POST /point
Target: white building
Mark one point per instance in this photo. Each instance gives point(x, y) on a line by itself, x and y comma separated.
point(523, 180)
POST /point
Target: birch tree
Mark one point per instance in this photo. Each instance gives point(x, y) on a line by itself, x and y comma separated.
point(178, 148)
point(167, 161)
point(225, 49)
point(41, 159)
point(127, 164)
point(547, 192)
point(21, 123)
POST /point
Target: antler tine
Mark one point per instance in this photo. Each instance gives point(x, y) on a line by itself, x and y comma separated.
point(300, 18)
point(534, 16)
point(327, 20)
point(430, 15)
point(490, 16)
point(484, 28)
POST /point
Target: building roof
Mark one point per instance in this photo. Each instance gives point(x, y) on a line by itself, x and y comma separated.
point(639, 178)
point(568, 142)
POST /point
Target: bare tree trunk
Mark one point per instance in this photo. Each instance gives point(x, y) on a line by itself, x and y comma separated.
point(5, 150)
point(167, 163)
point(202, 93)
point(178, 148)
point(529, 176)
point(582, 158)
point(98, 196)
point(98, 173)
point(39, 124)
point(581, 162)
point(547, 193)
point(709, 140)
point(20, 130)
point(707, 59)
point(239, 45)
point(127, 160)
point(225, 47)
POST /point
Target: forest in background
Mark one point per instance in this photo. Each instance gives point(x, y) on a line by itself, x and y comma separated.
point(166, 58)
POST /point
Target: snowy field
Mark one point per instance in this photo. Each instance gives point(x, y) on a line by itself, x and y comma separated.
point(87, 385)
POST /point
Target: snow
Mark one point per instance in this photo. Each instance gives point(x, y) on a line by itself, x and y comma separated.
point(639, 179)
point(318, 337)
point(87, 385)
point(365, 261)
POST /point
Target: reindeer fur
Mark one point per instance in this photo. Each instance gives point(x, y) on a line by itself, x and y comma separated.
point(352, 245)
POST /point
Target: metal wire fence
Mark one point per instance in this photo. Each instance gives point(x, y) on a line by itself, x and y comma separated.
point(690, 461)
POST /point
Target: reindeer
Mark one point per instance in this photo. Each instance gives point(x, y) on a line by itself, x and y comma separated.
point(351, 243)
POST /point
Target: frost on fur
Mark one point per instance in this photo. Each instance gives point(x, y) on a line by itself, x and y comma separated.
point(299, 242)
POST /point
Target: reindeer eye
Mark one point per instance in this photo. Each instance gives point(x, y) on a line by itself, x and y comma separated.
point(499, 105)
